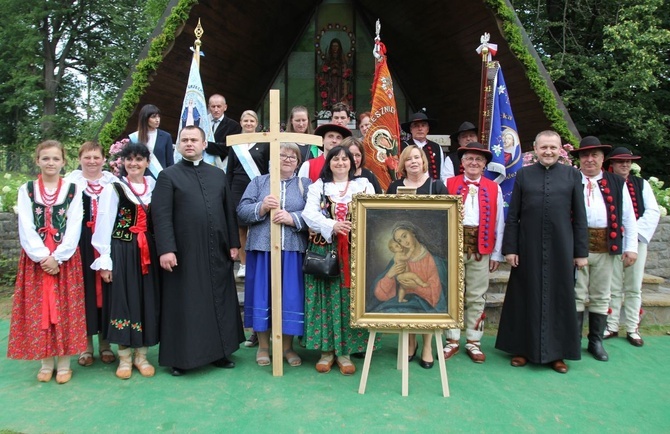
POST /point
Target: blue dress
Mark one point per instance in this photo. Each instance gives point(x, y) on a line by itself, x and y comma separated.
point(257, 283)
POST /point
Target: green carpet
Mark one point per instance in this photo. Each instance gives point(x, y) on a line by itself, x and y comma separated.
point(627, 394)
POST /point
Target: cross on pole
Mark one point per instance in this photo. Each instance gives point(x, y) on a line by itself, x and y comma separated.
point(275, 137)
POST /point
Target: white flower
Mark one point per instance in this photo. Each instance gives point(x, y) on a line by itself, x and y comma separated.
point(8, 176)
point(652, 179)
point(6, 189)
point(664, 211)
point(15, 208)
point(635, 168)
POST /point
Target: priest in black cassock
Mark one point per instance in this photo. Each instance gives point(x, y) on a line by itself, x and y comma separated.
point(545, 238)
point(197, 241)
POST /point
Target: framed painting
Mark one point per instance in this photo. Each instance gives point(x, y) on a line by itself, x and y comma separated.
point(407, 262)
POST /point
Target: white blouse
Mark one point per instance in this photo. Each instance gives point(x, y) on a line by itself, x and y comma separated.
point(31, 242)
point(108, 207)
point(337, 194)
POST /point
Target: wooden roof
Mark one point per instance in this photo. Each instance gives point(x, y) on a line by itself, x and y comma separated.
point(431, 52)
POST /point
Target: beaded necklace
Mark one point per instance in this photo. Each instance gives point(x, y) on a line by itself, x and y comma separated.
point(137, 193)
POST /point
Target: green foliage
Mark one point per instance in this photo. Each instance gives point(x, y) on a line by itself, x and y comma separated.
point(609, 62)
point(140, 78)
point(515, 39)
point(662, 195)
point(9, 189)
point(61, 65)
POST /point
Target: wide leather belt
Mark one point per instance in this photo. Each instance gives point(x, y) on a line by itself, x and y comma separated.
point(598, 240)
point(471, 242)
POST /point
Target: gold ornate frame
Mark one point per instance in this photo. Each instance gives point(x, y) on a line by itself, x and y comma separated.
point(374, 216)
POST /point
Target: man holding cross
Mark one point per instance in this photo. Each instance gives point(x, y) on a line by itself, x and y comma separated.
point(197, 241)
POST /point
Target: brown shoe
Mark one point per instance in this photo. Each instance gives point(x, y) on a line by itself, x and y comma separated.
point(610, 334)
point(325, 362)
point(85, 359)
point(634, 339)
point(346, 367)
point(451, 348)
point(44, 375)
point(142, 364)
point(475, 352)
point(519, 361)
point(107, 356)
point(559, 366)
point(63, 376)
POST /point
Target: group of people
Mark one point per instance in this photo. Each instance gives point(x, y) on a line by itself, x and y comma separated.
point(147, 257)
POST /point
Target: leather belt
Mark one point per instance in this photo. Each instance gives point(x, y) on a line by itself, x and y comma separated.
point(598, 240)
point(471, 242)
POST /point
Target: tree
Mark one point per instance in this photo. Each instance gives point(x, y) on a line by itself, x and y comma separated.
point(609, 61)
point(63, 61)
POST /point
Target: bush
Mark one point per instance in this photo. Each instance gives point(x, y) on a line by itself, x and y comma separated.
point(9, 190)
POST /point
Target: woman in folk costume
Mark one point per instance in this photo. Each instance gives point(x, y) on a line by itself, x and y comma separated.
point(128, 264)
point(246, 162)
point(48, 311)
point(158, 142)
point(91, 179)
point(327, 300)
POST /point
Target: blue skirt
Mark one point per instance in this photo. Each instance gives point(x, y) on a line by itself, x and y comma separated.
point(257, 298)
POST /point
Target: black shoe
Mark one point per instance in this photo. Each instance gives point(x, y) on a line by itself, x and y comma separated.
point(411, 356)
point(358, 355)
point(426, 365)
point(225, 363)
point(176, 372)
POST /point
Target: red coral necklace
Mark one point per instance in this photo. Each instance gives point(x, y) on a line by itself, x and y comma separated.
point(137, 193)
point(49, 199)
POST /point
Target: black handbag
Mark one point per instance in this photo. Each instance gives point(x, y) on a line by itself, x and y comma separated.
point(320, 265)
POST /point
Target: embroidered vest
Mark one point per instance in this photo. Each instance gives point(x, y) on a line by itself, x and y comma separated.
point(58, 214)
point(315, 167)
point(488, 209)
point(611, 186)
point(635, 186)
point(126, 216)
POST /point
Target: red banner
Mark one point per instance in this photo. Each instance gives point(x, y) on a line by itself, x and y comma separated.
point(383, 137)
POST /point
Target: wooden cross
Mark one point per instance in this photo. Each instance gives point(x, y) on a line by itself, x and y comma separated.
point(275, 137)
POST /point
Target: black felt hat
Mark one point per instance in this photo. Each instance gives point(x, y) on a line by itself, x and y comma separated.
point(323, 129)
point(465, 126)
point(419, 116)
point(475, 147)
point(620, 153)
point(590, 143)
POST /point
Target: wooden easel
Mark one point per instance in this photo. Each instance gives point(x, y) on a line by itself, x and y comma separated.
point(275, 137)
point(403, 354)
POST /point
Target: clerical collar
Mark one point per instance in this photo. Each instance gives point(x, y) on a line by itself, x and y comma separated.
point(192, 163)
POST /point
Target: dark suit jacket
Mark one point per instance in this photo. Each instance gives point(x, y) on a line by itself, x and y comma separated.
point(163, 149)
point(226, 127)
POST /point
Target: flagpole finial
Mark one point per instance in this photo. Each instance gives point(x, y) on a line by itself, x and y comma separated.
point(378, 28)
point(199, 31)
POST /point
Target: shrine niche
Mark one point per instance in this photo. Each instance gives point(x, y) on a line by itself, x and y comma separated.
point(335, 47)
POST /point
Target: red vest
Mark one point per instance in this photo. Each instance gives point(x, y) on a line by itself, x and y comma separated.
point(315, 167)
point(488, 209)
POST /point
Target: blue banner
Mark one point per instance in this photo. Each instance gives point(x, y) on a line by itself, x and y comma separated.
point(504, 141)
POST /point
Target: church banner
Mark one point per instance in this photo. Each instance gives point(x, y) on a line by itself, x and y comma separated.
point(194, 108)
point(382, 138)
point(503, 138)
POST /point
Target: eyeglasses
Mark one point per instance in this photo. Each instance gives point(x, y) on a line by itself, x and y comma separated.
point(290, 158)
point(475, 159)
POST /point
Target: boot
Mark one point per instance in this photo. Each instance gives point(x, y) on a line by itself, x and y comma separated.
point(580, 324)
point(597, 324)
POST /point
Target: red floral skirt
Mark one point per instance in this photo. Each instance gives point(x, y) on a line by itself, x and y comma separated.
point(27, 339)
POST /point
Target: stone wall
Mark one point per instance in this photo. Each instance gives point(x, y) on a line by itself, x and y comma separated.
point(658, 254)
point(9, 242)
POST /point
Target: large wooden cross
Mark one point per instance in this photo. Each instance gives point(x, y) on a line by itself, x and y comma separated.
point(275, 137)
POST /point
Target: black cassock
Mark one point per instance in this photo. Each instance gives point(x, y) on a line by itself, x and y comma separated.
point(546, 226)
point(193, 216)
